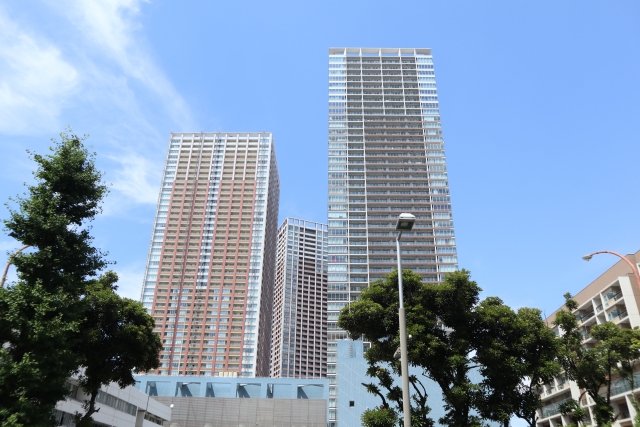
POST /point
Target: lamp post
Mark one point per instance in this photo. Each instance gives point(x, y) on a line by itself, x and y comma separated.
point(405, 223)
point(634, 268)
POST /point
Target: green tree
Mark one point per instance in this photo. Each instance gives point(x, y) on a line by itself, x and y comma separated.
point(117, 339)
point(379, 417)
point(520, 356)
point(59, 318)
point(598, 366)
point(393, 392)
point(455, 338)
point(573, 409)
point(41, 313)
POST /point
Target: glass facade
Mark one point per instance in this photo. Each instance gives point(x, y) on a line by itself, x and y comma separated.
point(299, 341)
point(386, 157)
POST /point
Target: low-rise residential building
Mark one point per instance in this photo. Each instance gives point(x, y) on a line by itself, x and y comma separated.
point(614, 297)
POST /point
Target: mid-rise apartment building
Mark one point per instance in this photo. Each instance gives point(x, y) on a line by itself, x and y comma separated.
point(299, 341)
point(386, 157)
point(210, 273)
point(612, 297)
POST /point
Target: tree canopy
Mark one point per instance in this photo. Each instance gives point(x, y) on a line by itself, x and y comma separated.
point(59, 316)
point(116, 340)
point(459, 342)
point(41, 313)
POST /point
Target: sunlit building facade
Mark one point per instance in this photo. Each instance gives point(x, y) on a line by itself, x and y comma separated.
point(386, 157)
point(612, 297)
point(210, 273)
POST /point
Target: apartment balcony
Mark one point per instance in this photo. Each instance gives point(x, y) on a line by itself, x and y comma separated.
point(618, 316)
point(614, 298)
point(552, 410)
point(584, 317)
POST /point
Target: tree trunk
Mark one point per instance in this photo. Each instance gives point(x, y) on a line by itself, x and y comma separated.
point(86, 420)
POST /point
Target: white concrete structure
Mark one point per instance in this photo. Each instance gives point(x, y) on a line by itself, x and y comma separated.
point(128, 407)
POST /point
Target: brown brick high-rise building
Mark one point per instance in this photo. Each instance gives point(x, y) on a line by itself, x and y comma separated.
point(209, 277)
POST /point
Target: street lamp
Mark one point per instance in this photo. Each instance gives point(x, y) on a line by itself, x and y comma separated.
point(634, 268)
point(405, 223)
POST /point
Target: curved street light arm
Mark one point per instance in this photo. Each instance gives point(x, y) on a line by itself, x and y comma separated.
point(6, 269)
point(634, 268)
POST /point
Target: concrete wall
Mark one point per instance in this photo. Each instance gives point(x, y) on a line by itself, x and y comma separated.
point(231, 412)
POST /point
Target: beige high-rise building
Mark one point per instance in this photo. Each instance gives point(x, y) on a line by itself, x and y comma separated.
point(210, 273)
point(299, 342)
point(612, 297)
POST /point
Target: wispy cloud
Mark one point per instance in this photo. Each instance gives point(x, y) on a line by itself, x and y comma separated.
point(111, 26)
point(8, 245)
point(137, 179)
point(35, 81)
point(130, 280)
point(100, 71)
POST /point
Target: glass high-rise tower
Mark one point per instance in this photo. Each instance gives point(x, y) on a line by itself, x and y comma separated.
point(386, 157)
point(210, 273)
point(299, 338)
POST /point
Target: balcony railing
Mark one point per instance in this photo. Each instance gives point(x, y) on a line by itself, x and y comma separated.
point(585, 316)
point(618, 314)
point(551, 410)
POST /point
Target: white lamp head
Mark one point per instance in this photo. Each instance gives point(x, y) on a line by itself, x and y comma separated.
point(405, 222)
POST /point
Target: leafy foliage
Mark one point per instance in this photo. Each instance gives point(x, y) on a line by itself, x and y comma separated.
point(58, 317)
point(393, 393)
point(41, 313)
point(117, 339)
point(520, 355)
point(455, 339)
point(573, 409)
point(379, 417)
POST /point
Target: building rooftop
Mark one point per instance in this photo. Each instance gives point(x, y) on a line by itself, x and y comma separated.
point(367, 51)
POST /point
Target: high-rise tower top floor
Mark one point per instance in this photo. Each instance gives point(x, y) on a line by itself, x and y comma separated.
point(361, 51)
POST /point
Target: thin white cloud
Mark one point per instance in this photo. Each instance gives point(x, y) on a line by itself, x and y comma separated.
point(130, 281)
point(97, 74)
point(112, 28)
point(137, 178)
point(35, 81)
point(9, 245)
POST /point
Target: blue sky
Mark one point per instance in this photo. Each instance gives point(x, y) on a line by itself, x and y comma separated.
point(539, 105)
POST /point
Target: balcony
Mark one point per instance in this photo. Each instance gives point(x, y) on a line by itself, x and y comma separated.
point(551, 410)
point(582, 317)
point(613, 296)
point(618, 314)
